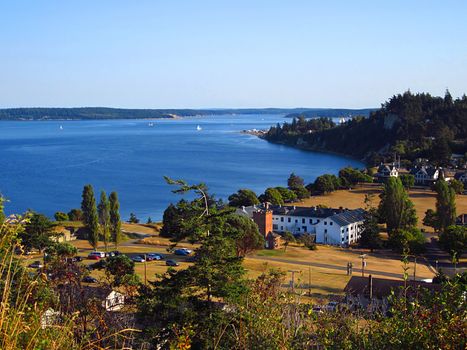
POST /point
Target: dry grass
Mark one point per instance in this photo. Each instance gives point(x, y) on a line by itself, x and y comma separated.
point(354, 198)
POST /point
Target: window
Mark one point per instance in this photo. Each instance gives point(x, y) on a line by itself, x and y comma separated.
point(347, 229)
point(298, 229)
point(282, 219)
point(303, 221)
point(282, 228)
point(330, 223)
point(326, 231)
point(342, 239)
point(296, 221)
point(311, 221)
point(274, 227)
point(325, 222)
point(288, 219)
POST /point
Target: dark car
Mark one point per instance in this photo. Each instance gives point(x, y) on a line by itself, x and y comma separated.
point(36, 265)
point(90, 279)
point(172, 263)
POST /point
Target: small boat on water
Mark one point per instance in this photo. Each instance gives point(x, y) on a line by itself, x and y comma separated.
point(199, 128)
point(150, 124)
point(61, 127)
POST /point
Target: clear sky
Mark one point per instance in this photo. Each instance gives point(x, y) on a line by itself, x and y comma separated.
point(239, 53)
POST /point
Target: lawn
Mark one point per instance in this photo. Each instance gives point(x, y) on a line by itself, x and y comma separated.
point(327, 264)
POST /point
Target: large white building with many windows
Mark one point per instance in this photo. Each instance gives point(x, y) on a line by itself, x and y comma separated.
point(329, 226)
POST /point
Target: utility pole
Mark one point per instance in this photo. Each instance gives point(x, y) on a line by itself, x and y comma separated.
point(293, 279)
point(309, 281)
point(145, 272)
point(415, 268)
point(363, 257)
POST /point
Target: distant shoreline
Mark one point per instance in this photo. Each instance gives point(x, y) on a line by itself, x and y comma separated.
point(261, 134)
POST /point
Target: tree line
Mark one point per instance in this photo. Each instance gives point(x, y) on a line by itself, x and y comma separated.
point(412, 125)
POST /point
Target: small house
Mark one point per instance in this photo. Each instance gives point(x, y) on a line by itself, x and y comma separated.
point(385, 171)
point(372, 294)
point(114, 301)
point(425, 175)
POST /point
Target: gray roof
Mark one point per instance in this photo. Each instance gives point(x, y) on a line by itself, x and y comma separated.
point(348, 217)
point(340, 216)
point(315, 212)
point(429, 171)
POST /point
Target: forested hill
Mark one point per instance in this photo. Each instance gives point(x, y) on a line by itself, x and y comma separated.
point(413, 125)
point(331, 113)
point(89, 113)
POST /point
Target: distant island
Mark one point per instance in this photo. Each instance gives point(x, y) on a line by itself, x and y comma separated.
point(97, 113)
point(410, 125)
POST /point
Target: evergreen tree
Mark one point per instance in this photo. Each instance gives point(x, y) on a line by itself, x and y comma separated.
point(115, 223)
point(395, 208)
point(90, 217)
point(170, 223)
point(370, 236)
point(38, 233)
point(2, 213)
point(445, 205)
point(104, 218)
point(243, 197)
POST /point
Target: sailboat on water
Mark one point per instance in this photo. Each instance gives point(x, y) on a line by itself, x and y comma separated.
point(199, 128)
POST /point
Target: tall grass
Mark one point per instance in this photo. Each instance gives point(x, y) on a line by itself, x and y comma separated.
point(20, 312)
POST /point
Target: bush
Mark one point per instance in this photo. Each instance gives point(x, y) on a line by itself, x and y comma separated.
point(61, 216)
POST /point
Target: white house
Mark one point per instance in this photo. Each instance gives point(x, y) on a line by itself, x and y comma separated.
point(386, 171)
point(330, 226)
point(114, 301)
point(425, 175)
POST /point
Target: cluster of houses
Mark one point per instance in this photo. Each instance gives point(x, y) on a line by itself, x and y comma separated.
point(340, 227)
point(425, 175)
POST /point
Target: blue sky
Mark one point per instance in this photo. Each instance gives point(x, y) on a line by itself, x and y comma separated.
point(199, 54)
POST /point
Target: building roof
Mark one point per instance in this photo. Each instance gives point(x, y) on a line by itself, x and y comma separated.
point(425, 170)
point(315, 212)
point(340, 216)
point(382, 287)
point(348, 217)
point(460, 174)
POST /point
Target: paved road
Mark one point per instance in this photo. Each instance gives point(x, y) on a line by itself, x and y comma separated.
point(435, 254)
point(356, 271)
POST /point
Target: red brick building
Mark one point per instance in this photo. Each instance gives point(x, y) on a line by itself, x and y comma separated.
point(263, 218)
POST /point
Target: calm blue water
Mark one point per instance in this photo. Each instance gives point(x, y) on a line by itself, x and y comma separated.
point(44, 168)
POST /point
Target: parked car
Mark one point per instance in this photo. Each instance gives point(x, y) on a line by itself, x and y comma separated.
point(74, 259)
point(90, 279)
point(116, 252)
point(154, 256)
point(138, 258)
point(36, 265)
point(109, 254)
point(182, 251)
point(332, 306)
point(96, 255)
point(171, 262)
point(317, 309)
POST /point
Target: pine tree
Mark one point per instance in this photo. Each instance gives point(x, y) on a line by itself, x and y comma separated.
point(104, 218)
point(445, 205)
point(115, 223)
point(90, 218)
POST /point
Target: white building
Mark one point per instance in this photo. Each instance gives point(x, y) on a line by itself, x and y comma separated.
point(330, 226)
